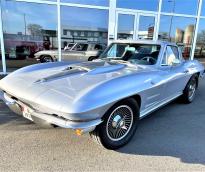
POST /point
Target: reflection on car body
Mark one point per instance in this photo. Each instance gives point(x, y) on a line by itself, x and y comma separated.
point(78, 51)
point(69, 46)
point(108, 96)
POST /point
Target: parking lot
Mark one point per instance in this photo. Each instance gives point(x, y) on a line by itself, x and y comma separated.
point(171, 139)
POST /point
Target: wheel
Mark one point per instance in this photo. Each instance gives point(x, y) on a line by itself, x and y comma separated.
point(119, 125)
point(190, 90)
point(92, 58)
point(46, 58)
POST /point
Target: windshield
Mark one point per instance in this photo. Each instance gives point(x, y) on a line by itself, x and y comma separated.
point(146, 54)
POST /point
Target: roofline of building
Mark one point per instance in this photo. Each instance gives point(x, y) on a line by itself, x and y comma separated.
point(158, 42)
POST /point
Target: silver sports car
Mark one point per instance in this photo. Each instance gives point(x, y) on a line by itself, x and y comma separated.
point(106, 97)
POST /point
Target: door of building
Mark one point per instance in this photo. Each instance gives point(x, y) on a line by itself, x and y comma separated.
point(135, 25)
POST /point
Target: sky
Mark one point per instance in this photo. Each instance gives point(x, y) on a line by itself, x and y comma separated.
point(42, 14)
point(89, 2)
point(179, 6)
point(84, 17)
point(177, 22)
point(46, 15)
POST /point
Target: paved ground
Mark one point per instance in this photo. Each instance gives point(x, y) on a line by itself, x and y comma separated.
point(170, 139)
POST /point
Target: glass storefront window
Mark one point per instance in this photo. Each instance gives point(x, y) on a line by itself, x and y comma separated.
point(203, 8)
point(146, 27)
point(200, 43)
point(90, 32)
point(180, 6)
point(179, 30)
point(1, 68)
point(149, 5)
point(89, 2)
point(49, 0)
point(125, 26)
point(28, 28)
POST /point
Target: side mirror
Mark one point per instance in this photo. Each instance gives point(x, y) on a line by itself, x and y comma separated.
point(176, 62)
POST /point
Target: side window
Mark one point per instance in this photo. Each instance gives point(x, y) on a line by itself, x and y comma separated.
point(175, 51)
point(171, 55)
point(98, 47)
point(81, 47)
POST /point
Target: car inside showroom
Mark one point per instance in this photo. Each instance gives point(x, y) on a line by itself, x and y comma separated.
point(31, 26)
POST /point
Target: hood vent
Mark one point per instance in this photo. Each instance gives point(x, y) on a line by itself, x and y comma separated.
point(83, 69)
point(64, 73)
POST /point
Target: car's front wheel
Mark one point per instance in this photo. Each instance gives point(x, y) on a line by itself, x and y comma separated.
point(46, 59)
point(119, 125)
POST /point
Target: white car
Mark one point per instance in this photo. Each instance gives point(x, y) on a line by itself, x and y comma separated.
point(77, 51)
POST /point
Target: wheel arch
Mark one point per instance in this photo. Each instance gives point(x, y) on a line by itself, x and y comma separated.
point(197, 74)
point(90, 58)
point(43, 55)
point(138, 99)
point(197, 81)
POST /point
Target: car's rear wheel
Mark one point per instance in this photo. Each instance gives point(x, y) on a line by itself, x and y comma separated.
point(190, 89)
point(119, 125)
point(46, 59)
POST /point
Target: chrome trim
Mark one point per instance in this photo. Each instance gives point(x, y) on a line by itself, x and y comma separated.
point(85, 126)
point(11, 103)
point(146, 112)
point(123, 120)
point(8, 100)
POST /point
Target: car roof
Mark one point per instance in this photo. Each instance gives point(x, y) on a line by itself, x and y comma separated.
point(158, 42)
point(91, 43)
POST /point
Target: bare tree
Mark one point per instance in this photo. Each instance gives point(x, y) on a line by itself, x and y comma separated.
point(35, 29)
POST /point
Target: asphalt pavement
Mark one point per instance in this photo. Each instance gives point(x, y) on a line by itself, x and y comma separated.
point(171, 139)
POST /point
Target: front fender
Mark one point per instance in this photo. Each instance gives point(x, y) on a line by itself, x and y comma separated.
point(110, 92)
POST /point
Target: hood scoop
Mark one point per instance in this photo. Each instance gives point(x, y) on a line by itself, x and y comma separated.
point(84, 69)
point(64, 73)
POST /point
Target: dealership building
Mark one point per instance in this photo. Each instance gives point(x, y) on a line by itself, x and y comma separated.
point(29, 26)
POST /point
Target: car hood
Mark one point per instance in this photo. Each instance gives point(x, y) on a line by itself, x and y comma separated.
point(64, 85)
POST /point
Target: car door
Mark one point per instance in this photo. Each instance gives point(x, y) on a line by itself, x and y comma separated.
point(176, 76)
point(76, 53)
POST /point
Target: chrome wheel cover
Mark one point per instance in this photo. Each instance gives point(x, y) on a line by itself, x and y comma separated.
point(192, 89)
point(119, 123)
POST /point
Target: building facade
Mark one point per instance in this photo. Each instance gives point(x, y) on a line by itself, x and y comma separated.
point(29, 26)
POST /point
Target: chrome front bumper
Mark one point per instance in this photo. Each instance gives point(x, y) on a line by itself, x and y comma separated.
point(83, 126)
